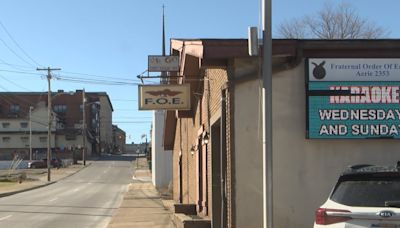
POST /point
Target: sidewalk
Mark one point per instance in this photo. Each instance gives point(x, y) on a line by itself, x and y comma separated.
point(142, 205)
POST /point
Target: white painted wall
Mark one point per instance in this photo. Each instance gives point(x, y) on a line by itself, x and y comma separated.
point(161, 159)
point(305, 170)
point(247, 155)
point(39, 129)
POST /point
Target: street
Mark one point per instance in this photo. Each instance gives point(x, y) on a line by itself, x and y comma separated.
point(85, 199)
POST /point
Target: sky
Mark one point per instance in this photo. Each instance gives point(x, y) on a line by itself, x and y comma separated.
point(102, 45)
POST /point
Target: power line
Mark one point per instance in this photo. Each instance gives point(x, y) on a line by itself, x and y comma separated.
point(123, 100)
point(11, 50)
point(132, 122)
point(16, 44)
point(14, 83)
point(98, 82)
point(15, 66)
point(98, 76)
point(20, 72)
point(126, 110)
point(136, 117)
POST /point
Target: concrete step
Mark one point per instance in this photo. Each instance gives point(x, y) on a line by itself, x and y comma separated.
point(191, 221)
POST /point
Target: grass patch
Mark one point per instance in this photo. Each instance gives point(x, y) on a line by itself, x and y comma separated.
point(4, 184)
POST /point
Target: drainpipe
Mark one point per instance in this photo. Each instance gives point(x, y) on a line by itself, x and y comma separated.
point(223, 157)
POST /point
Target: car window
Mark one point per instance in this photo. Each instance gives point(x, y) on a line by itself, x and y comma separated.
point(367, 192)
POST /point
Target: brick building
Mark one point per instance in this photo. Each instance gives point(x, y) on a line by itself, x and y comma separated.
point(202, 139)
point(119, 139)
point(19, 110)
point(221, 179)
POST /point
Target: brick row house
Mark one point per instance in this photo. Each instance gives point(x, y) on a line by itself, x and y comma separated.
point(24, 123)
point(203, 140)
point(217, 145)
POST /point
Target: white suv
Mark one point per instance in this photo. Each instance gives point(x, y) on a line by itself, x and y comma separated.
point(364, 196)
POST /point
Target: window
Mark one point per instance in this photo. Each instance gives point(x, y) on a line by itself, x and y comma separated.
point(94, 108)
point(14, 108)
point(6, 125)
point(6, 139)
point(368, 191)
point(24, 125)
point(43, 139)
point(24, 139)
point(60, 108)
point(60, 125)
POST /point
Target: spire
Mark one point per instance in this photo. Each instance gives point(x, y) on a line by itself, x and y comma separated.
point(163, 80)
point(163, 31)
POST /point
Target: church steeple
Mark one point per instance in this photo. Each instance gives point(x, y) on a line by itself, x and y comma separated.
point(163, 32)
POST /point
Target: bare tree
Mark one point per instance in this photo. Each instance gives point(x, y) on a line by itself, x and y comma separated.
point(340, 22)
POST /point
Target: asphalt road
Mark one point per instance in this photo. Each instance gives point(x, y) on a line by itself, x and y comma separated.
point(87, 199)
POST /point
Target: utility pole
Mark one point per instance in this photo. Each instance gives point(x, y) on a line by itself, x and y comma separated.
point(49, 111)
point(30, 133)
point(84, 127)
point(267, 116)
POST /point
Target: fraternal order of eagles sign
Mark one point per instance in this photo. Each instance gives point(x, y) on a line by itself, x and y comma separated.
point(353, 98)
point(164, 97)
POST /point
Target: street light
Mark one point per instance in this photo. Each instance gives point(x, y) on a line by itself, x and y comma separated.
point(30, 133)
point(83, 128)
point(84, 124)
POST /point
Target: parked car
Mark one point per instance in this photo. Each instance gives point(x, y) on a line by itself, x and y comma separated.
point(37, 164)
point(364, 196)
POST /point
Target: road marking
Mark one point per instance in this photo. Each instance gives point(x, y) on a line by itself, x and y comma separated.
point(53, 199)
point(4, 218)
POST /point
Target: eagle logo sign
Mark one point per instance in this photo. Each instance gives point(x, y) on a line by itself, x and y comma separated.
point(319, 71)
point(164, 93)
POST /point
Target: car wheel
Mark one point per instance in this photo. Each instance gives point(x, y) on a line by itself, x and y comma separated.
point(33, 166)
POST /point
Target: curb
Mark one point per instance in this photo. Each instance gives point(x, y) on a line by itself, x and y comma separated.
point(41, 185)
point(25, 190)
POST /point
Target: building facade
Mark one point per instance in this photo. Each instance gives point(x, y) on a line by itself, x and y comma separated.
point(119, 138)
point(21, 112)
point(106, 135)
point(223, 177)
point(161, 160)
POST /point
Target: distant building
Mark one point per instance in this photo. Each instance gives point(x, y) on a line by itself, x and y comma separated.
point(135, 148)
point(119, 138)
point(20, 110)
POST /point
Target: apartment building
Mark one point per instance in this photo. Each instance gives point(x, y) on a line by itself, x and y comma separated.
point(24, 123)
